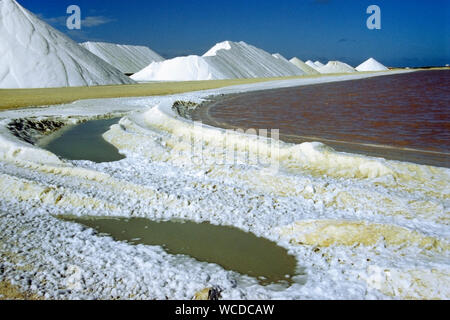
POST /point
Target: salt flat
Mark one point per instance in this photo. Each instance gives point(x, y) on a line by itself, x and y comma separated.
point(362, 227)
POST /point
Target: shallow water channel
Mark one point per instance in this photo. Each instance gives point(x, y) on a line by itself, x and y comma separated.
point(84, 142)
point(228, 247)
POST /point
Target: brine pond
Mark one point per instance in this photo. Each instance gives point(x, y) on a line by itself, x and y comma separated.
point(402, 117)
point(229, 247)
point(84, 142)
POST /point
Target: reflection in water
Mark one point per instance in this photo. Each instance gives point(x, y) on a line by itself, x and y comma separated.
point(401, 117)
point(85, 142)
point(228, 247)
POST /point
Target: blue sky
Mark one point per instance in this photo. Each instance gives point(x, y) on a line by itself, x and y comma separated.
point(414, 32)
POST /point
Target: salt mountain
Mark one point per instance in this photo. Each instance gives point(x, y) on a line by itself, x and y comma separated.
point(35, 55)
point(303, 66)
point(127, 58)
point(226, 60)
point(371, 65)
point(312, 65)
point(335, 67)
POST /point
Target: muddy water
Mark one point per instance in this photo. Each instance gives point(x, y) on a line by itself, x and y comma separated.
point(228, 247)
point(84, 142)
point(402, 117)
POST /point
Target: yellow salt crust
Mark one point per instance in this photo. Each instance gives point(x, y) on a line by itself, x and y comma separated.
point(11, 292)
point(325, 233)
point(202, 294)
point(25, 190)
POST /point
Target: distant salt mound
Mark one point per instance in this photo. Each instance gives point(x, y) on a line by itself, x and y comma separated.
point(226, 60)
point(241, 60)
point(319, 64)
point(279, 56)
point(336, 67)
point(35, 55)
point(179, 69)
point(371, 65)
point(127, 58)
point(303, 66)
point(312, 65)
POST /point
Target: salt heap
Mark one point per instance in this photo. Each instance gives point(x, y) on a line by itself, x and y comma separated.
point(241, 60)
point(312, 65)
point(127, 58)
point(336, 67)
point(371, 65)
point(189, 68)
point(319, 64)
point(226, 60)
point(279, 56)
point(303, 66)
point(34, 55)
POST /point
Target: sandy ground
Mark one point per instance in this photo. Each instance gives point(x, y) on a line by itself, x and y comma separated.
point(19, 98)
point(10, 292)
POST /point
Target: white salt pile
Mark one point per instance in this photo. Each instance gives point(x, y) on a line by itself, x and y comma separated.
point(319, 64)
point(371, 65)
point(127, 58)
point(336, 67)
point(179, 69)
point(312, 65)
point(303, 66)
point(279, 56)
point(226, 60)
point(241, 60)
point(34, 55)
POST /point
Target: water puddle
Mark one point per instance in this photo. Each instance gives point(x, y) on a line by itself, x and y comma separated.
point(85, 142)
point(228, 247)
